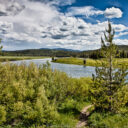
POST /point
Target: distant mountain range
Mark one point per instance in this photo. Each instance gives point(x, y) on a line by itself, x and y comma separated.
point(62, 49)
point(59, 52)
point(121, 47)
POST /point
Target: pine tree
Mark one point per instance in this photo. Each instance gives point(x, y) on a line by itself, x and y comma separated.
point(0, 46)
point(108, 81)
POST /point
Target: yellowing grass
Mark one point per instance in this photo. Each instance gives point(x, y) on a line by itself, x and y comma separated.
point(90, 62)
point(14, 58)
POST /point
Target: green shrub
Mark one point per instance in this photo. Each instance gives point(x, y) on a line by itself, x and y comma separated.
point(32, 96)
point(2, 114)
point(108, 120)
point(23, 97)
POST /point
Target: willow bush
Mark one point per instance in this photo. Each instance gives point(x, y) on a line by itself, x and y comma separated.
point(22, 96)
point(32, 96)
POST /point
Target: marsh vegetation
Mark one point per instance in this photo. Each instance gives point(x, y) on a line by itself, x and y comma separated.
point(16, 58)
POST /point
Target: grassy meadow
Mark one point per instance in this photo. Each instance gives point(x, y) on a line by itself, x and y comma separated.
point(15, 58)
point(91, 62)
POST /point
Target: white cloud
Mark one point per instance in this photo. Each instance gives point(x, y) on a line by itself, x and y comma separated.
point(66, 2)
point(121, 34)
point(113, 13)
point(88, 11)
point(121, 41)
point(119, 27)
point(85, 11)
point(5, 27)
point(10, 7)
point(56, 2)
point(40, 24)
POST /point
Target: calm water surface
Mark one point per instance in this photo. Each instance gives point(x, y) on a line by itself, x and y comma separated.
point(76, 71)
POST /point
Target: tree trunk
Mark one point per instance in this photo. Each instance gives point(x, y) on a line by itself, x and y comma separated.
point(110, 76)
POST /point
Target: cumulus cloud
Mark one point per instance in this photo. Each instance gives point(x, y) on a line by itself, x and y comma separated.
point(5, 27)
point(40, 24)
point(85, 11)
point(88, 11)
point(10, 7)
point(120, 27)
point(56, 2)
point(77, 34)
point(121, 34)
point(65, 2)
point(113, 13)
point(121, 41)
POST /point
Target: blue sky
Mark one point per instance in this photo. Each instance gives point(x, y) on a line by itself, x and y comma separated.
point(72, 24)
point(102, 5)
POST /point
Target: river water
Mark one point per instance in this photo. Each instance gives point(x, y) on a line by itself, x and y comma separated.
point(75, 71)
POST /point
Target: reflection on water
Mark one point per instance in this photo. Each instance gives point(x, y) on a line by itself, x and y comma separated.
point(76, 71)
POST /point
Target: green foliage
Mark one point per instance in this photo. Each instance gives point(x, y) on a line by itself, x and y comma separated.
point(32, 96)
point(107, 92)
point(102, 120)
point(23, 95)
point(117, 63)
point(79, 61)
point(67, 120)
point(0, 47)
point(15, 58)
point(42, 52)
point(2, 114)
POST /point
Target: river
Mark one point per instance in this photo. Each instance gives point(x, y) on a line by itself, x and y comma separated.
point(75, 71)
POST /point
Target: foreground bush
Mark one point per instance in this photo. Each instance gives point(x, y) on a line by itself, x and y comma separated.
point(22, 96)
point(108, 120)
point(32, 96)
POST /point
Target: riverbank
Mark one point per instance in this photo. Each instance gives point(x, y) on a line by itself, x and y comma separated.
point(91, 62)
point(16, 58)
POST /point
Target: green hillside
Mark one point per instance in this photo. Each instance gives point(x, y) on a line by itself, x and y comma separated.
point(64, 52)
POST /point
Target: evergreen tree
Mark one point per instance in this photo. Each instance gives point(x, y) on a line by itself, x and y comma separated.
point(124, 55)
point(0, 46)
point(109, 83)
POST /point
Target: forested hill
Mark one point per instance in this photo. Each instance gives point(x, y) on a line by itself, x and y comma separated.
point(60, 52)
point(43, 52)
point(123, 47)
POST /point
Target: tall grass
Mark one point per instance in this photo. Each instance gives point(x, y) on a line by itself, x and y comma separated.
point(108, 120)
point(15, 58)
point(91, 62)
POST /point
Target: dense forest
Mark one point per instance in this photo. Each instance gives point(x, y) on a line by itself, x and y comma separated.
point(94, 54)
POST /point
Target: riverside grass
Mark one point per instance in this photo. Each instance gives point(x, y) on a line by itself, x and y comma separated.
point(16, 58)
point(118, 62)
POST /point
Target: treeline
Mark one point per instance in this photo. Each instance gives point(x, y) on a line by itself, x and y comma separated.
point(98, 54)
point(94, 54)
point(41, 52)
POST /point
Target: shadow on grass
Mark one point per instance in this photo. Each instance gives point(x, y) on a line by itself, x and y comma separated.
point(72, 111)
